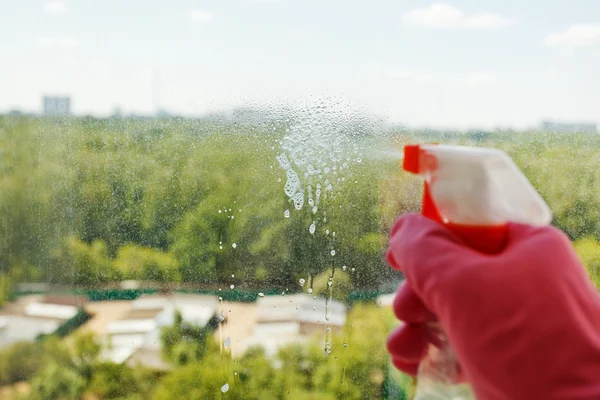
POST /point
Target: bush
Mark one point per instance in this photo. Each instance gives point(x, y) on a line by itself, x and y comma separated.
point(83, 264)
point(588, 250)
point(135, 262)
point(341, 286)
point(20, 361)
point(110, 381)
point(57, 382)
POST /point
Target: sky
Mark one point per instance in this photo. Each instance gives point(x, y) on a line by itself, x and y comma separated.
point(461, 64)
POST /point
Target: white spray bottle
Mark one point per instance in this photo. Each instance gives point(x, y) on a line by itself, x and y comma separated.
point(474, 192)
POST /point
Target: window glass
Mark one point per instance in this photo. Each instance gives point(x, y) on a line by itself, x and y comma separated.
point(196, 197)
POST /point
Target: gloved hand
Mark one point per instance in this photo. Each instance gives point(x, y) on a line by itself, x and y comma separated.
point(524, 324)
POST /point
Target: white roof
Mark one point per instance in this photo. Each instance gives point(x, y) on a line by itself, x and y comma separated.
point(49, 310)
point(386, 300)
point(18, 328)
point(300, 307)
point(149, 303)
point(128, 340)
point(119, 354)
point(131, 326)
point(271, 329)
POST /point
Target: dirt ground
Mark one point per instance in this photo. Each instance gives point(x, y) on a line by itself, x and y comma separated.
point(240, 320)
point(105, 312)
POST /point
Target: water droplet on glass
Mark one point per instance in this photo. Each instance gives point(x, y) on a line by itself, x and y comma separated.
point(231, 287)
point(329, 283)
point(227, 342)
point(328, 348)
point(344, 268)
point(261, 294)
point(225, 388)
point(333, 252)
point(234, 245)
point(327, 231)
point(315, 209)
point(286, 213)
point(220, 298)
point(312, 228)
point(302, 281)
point(221, 318)
point(219, 211)
point(309, 290)
point(221, 247)
point(332, 233)
point(345, 344)
point(233, 275)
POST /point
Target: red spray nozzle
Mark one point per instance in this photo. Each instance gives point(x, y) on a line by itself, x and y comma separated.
point(411, 160)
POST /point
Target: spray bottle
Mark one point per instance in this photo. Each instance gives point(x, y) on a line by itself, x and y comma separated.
point(474, 192)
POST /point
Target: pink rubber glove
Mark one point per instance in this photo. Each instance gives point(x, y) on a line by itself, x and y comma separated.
point(524, 324)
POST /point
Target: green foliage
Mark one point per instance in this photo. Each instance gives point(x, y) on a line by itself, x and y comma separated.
point(70, 325)
point(340, 288)
point(84, 264)
point(5, 288)
point(55, 382)
point(355, 369)
point(20, 361)
point(112, 381)
point(135, 262)
point(104, 200)
point(588, 250)
point(183, 343)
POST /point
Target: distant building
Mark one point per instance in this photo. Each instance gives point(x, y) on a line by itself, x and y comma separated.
point(552, 126)
point(31, 316)
point(57, 106)
point(283, 320)
point(135, 337)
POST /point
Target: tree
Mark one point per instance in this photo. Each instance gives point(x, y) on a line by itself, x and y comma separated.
point(183, 343)
point(588, 250)
point(111, 381)
point(20, 361)
point(337, 283)
point(135, 262)
point(55, 382)
point(83, 264)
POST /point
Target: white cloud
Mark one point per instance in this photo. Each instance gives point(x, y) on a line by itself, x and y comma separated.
point(201, 16)
point(487, 21)
point(58, 42)
point(55, 7)
point(580, 35)
point(442, 15)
